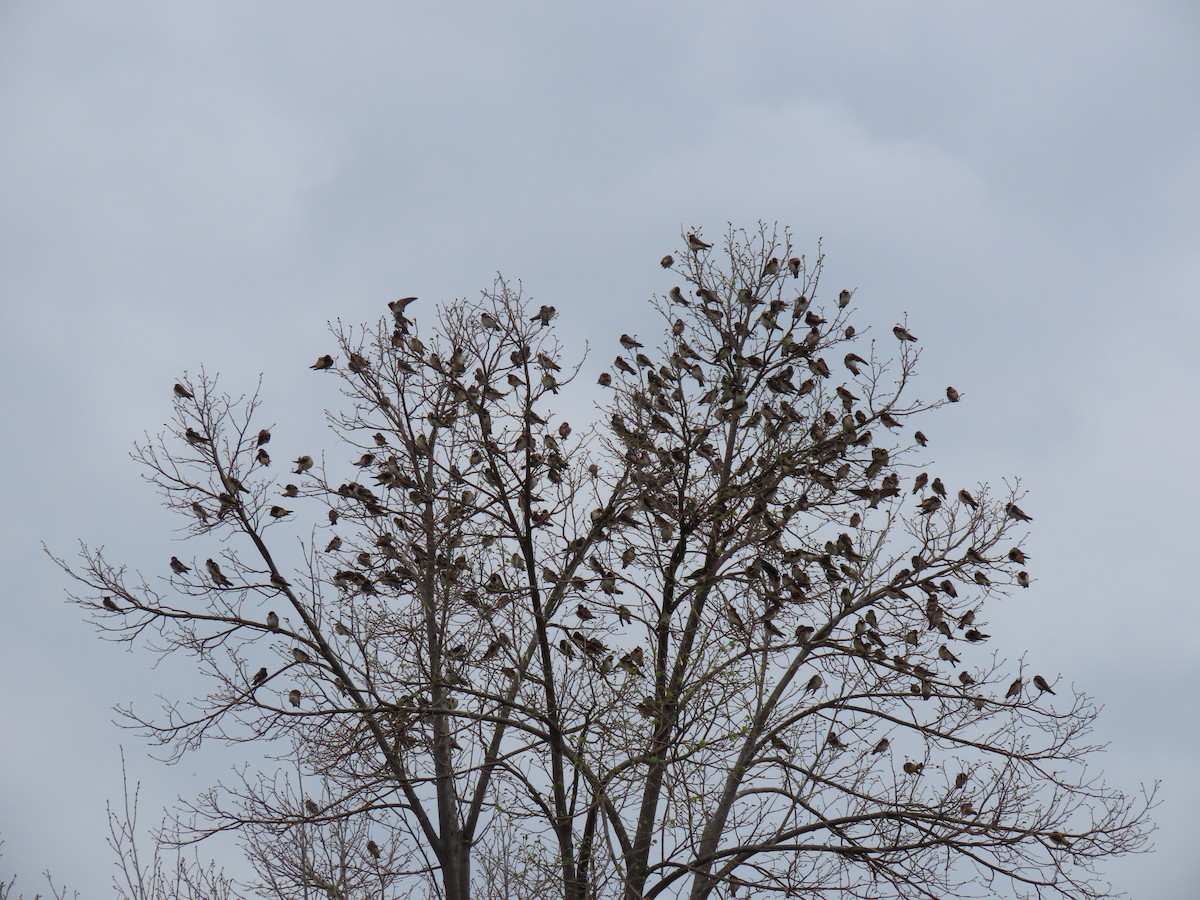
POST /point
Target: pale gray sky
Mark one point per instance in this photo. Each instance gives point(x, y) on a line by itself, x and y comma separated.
point(188, 184)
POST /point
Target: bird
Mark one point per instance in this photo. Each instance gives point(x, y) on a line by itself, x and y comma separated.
point(903, 334)
point(913, 768)
point(833, 740)
point(938, 488)
point(794, 266)
point(1023, 579)
point(323, 363)
point(814, 683)
point(183, 393)
point(264, 436)
point(108, 604)
point(952, 395)
point(975, 636)
point(544, 315)
point(278, 512)
point(260, 676)
point(945, 653)
point(930, 505)
point(1017, 555)
point(291, 490)
point(313, 809)
point(200, 512)
point(1015, 512)
point(920, 438)
point(335, 544)
point(294, 697)
point(1014, 689)
point(192, 436)
point(177, 567)
point(920, 481)
point(624, 615)
point(982, 579)
point(882, 746)
point(549, 383)
point(771, 268)
point(964, 496)
point(218, 576)
point(695, 243)
point(1059, 838)
point(843, 299)
point(624, 366)
point(365, 460)
point(667, 261)
point(1040, 683)
point(303, 464)
point(853, 361)
point(262, 457)
point(630, 343)
point(373, 849)
point(584, 613)
point(604, 380)
point(272, 621)
point(489, 321)
point(399, 306)
point(300, 656)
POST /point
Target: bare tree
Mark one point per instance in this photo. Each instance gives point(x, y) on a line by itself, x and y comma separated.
point(729, 639)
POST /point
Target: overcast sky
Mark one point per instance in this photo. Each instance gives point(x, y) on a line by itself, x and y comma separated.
point(209, 183)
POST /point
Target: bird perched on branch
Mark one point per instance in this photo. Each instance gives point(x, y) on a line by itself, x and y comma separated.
point(323, 363)
point(177, 567)
point(260, 676)
point(544, 315)
point(183, 393)
point(303, 464)
point(217, 575)
point(695, 243)
point(1040, 683)
point(667, 261)
point(272, 621)
point(903, 334)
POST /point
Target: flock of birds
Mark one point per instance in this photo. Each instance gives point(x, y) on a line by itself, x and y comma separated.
point(633, 661)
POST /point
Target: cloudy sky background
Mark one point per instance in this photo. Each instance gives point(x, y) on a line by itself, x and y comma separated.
point(208, 184)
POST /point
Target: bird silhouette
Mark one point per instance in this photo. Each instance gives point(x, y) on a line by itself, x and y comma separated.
point(278, 512)
point(630, 343)
point(177, 567)
point(323, 363)
point(260, 676)
point(903, 334)
point(1014, 689)
point(882, 746)
point(264, 436)
point(272, 621)
point(794, 266)
point(695, 243)
point(300, 656)
point(183, 393)
point(964, 496)
point(192, 436)
point(262, 457)
point(303, 464)
point(294, 697)
point(108, 604)
point(373, 849)
point(952, 395)
point(667, 261)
